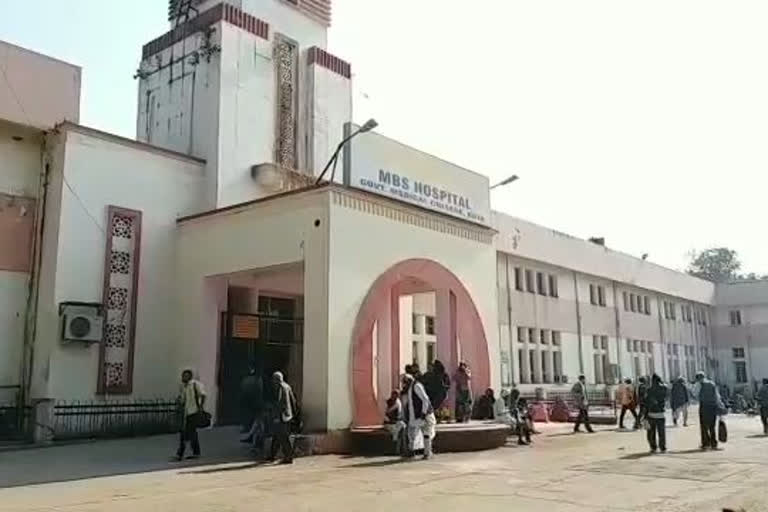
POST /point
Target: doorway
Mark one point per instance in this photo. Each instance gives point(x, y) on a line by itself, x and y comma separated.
point(268, 341)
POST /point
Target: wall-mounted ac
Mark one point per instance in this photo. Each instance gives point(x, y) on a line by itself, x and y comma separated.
point(81, 322)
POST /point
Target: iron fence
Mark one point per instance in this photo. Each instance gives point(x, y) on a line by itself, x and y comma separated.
point(91, 419)
point(15, 424)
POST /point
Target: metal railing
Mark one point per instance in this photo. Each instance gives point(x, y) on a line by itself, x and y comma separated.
point(92, 419)
point(15, 422)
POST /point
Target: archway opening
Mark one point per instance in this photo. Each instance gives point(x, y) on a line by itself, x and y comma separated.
point(384, 331)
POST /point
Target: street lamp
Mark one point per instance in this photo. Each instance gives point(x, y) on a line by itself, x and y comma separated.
point(505, 181)
point(368, 126)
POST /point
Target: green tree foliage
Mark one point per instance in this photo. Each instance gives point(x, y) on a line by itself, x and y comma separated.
point(718, 264)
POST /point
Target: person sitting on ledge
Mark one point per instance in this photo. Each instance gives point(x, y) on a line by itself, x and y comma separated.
point(394, 423)
point(485, 406)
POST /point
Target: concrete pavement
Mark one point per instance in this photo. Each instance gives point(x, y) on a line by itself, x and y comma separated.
point(563, 472)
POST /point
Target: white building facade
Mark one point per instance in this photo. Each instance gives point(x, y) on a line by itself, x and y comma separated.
point(206, 244)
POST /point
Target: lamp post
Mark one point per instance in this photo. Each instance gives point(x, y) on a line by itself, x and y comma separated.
point(368, 126)
point(505, 181)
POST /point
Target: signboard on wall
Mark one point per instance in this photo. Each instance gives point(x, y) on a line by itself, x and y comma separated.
point(245, 327)
point(386, 167)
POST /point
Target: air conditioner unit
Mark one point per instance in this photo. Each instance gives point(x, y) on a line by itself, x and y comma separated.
point(80, 321)
point(80, 327)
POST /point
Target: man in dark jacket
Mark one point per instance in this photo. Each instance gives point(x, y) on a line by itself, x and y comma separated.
point(679, 401)
point(762, 400)
point(642, 392)
point(709, 406)
point(656, 401)
point(286, 412)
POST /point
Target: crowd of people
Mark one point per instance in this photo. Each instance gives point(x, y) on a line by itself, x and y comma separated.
point(414, 410)
point(268, 415)
point(647, 404)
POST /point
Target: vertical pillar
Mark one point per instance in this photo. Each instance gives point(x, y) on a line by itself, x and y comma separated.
point(384, 341)
point(318, 389)
point(395, 339)
point(447, 340)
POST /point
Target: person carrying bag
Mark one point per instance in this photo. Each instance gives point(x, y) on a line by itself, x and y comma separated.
point(191, 402)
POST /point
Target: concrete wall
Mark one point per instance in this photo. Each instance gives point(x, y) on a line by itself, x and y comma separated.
point(20, 169)
point(258, 236)
point(750, 298)
point(283, 18)
point(355, 267)
point(91, 171)
point(39, 91)
point(330, 108)
point(531, 241)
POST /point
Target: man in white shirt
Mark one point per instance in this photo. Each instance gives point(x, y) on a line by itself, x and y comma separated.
point(191, 399)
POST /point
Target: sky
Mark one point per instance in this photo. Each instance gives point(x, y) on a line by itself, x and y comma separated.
point(642, 122)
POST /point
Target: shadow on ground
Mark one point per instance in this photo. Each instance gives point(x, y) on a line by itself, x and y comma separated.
point(67, 463)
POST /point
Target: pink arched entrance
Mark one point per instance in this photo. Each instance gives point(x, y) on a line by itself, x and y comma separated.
point(457, 319)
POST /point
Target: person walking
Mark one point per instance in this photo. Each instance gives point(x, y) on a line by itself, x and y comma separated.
point(463, 380)
point(642, 392)
point(419, 416)
point(679, 399)
point(709, 407)
point(656, 401)
point(191, 401)
point(625, 395)
point(579, 393)
point(285, 414)
point(762, 400)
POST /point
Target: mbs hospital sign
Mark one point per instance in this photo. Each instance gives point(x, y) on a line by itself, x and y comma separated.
point(386, 167)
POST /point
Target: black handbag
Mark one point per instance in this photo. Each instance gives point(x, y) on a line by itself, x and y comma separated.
point(722, 431)
point(202, 418)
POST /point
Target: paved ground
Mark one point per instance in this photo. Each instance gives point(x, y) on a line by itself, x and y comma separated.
point(563, 472)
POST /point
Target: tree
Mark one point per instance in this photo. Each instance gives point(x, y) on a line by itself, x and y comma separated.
point(718, 264)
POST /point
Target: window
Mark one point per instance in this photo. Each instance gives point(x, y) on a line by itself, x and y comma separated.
point(546, 367)
point(532, 366)
point(557, 364)
point(544, 336)
point(598, 362)
point(642, 346)
point(531, 335)
point(521, 334)
point(416, 324)
point(638, 368)
point(649, 347)
point(553, 286)
point(601, 295)
point(626, 301)
point(518, 279)
point(738, 352)
point(632, 302)
point(556, 340)
point(647, 304)
point(637, 345)
point(592, 294)
point(629, 345)
point(415, 352)
point(735, 317)
point(604, 342)
point(541, 285)
point(595, 342)
point(529, 281)
point(741, 371)
point(666, 309)
point(672, 311)
point(431, 352)
point(521, 366)
point(430, 324)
